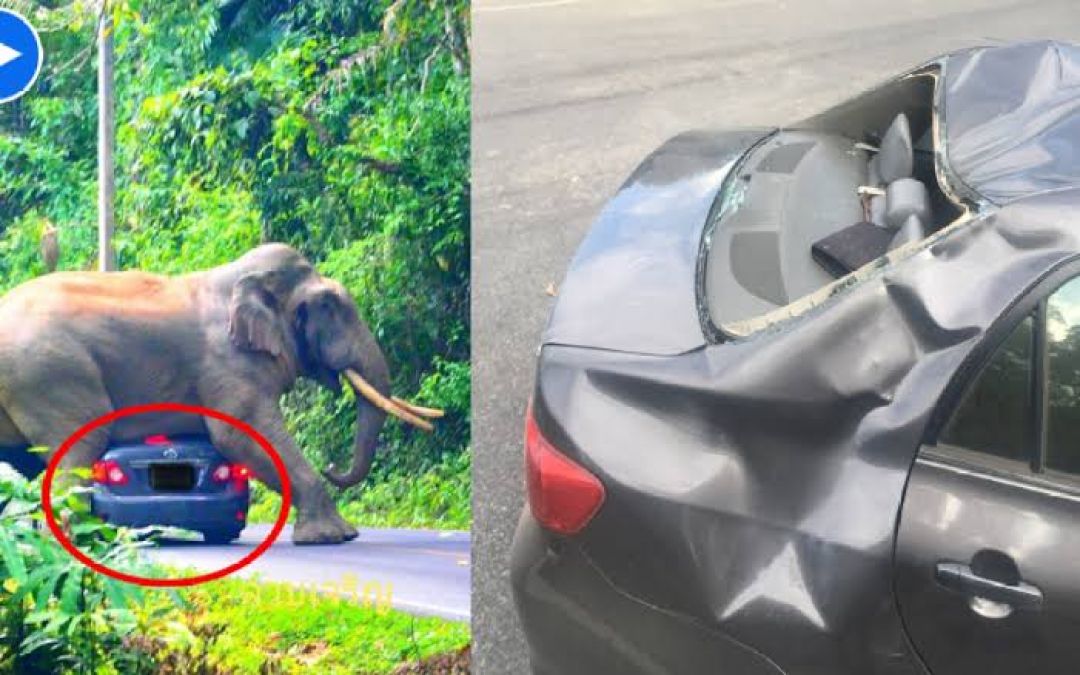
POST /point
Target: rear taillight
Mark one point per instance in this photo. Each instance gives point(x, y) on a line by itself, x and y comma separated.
point(563, 495)
point(231, 472)
point(108, 472)
point(157, 439)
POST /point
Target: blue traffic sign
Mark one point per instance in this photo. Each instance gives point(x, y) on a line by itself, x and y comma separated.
point(20, 55)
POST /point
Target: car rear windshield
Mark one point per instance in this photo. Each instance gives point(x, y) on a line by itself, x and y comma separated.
point(811, 208)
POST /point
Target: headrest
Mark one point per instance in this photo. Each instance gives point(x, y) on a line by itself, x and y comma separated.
point(896, 155)
point(904, 198)
point(912, 230)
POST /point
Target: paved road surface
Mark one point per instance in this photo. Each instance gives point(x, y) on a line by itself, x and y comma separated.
point(569, 95)
point(425, 572)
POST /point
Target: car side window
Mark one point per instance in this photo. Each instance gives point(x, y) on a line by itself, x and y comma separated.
point(994, 415)
point(1063, 379)
point(1021, 414)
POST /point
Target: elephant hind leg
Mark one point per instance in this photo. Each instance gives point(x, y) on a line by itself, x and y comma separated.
point(10, 436)
point(47, 405)
point(52, 431)
point(14, 447)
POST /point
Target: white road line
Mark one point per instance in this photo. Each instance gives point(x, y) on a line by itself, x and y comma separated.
point(427, 609)
point(525, 5)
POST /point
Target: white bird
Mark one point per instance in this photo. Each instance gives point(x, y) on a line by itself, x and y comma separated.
point(50, 247)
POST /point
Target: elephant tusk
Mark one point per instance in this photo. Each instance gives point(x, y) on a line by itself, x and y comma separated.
point(411, 417)
point(372, 394)
point(418, 409)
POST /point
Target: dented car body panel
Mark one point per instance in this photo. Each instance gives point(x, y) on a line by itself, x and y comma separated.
point(755, 483)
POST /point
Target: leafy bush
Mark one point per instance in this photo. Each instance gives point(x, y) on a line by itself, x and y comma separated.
point(439, 498)
point(239, 626)
point(55, 613)
point(57, 616)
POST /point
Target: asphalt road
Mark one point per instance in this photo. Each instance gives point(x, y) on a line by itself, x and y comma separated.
point(421, 572)
point(569, 95)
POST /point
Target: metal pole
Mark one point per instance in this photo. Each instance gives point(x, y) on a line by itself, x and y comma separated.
point(106, 140)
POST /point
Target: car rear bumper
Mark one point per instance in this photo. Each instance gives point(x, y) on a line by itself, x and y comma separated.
point(576, 621)
point(219, 511)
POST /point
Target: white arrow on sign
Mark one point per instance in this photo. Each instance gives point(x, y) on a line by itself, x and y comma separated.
point(7, 54)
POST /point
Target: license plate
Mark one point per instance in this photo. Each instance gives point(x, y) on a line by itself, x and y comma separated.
point(172, 477)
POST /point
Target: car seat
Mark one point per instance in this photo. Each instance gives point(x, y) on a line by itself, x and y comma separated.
point(898, 201)
point(897, 206)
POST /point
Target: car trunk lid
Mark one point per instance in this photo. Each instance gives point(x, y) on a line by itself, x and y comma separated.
point(162, 465)
point(632, 285)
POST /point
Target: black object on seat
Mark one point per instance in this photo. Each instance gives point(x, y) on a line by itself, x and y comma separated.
point(849, 249)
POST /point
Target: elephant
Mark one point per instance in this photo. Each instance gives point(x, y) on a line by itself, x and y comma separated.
point(78, 345)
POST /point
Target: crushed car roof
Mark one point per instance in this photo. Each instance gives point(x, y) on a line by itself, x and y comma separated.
point(1008, 121)
point(1012, 119)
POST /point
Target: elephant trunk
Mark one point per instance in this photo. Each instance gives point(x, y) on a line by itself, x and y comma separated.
point(369, 417)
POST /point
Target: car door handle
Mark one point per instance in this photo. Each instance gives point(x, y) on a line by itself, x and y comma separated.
point(960, 578)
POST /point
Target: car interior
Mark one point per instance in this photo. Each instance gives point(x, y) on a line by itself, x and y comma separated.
point(817, 201)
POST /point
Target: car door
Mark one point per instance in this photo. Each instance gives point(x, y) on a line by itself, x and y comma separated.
point(987, 556)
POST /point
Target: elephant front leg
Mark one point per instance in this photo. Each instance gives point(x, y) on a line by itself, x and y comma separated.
point(317, 517)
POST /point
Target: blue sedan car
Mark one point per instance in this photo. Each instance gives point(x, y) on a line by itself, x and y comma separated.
point(172, 482)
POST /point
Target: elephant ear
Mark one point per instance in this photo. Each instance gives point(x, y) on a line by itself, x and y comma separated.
point(254, 315)
point(308, 340)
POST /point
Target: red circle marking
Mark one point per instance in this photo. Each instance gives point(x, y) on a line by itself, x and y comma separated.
point(69, 546)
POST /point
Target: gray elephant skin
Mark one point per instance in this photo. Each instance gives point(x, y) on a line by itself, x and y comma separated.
point(78, 345)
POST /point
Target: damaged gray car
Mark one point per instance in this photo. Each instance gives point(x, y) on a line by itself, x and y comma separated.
point(809, 399)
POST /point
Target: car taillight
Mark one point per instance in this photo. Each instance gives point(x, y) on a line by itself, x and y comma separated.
point(157, 439)
point(563, 495)
point(108, 472)
point(227, 472)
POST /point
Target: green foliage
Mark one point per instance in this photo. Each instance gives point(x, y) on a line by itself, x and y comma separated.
point(277, 628)
point(56, 615)
point(438, 498)
point(341, 128)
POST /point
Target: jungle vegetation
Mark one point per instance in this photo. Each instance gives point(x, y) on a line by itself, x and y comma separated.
point(58, 616)
point(341, 128)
